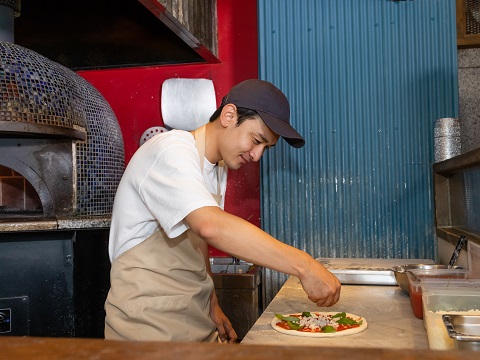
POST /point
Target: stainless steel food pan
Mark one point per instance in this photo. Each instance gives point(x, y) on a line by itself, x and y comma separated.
point(464, 329)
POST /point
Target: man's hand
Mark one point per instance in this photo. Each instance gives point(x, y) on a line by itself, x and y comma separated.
point(224, 326)
point(321, 286)
point(252, 244)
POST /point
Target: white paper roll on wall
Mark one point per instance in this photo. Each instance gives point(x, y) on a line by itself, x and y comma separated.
point(187, 104)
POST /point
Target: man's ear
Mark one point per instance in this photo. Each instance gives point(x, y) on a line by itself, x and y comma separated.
point(228, 115)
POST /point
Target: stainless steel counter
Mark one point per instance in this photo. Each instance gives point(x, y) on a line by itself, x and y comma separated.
point(391, 322)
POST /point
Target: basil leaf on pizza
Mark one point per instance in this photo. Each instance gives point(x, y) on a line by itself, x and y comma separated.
point(288, 318)
point(328, 329)
point(319, 324)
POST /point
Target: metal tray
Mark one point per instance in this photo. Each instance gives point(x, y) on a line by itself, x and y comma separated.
point(366, 271)
point(464, 330)
point(366, 277)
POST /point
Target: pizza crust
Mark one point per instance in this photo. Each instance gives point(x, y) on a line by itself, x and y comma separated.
point(351, 331)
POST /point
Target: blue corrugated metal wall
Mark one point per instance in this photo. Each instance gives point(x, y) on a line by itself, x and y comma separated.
point(366, 79)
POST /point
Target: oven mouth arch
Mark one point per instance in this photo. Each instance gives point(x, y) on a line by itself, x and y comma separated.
point(36, 181)
point(48, 165)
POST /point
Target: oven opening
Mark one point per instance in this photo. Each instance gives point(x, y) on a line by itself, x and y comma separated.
point(18, 198)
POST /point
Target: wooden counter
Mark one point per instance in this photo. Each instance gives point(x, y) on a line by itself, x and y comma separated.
point(62, 348)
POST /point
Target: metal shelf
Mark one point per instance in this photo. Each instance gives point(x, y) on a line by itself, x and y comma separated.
point(450, 196)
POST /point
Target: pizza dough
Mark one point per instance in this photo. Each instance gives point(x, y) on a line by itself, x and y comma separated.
point(351, 331)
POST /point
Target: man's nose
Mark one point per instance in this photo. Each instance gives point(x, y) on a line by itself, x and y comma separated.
point(256, 153)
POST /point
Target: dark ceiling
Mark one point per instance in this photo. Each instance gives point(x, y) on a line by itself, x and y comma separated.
point(96, 34)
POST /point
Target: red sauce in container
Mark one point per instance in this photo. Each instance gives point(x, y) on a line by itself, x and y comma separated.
point(416, 301)
point(415, 289)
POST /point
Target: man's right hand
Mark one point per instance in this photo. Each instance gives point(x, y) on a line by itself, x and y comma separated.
point(252, 244)
point(321, 286)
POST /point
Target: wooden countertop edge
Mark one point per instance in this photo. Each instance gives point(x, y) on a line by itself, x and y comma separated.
point(79, 348)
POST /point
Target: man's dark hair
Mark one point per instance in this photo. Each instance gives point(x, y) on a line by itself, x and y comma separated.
point(242, 113)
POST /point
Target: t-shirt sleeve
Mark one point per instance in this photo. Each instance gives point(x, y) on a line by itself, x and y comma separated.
point(173, 186)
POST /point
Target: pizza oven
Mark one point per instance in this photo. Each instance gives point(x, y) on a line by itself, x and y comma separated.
point(60, 134)
point(61, 159)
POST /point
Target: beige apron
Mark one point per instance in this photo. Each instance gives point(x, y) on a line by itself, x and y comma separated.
point(160, 289)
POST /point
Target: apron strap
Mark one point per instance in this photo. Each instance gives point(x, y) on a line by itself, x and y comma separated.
point(200, 134)
point(200, 143)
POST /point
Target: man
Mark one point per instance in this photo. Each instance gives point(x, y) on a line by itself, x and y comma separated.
point(168, 208)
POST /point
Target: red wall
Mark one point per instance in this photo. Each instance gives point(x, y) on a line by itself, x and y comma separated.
point(134, 95)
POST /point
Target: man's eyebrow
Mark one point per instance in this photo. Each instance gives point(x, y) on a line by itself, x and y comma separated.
point(265, 140)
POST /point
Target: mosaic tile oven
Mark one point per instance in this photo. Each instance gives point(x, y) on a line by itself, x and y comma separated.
point(58, 132)
point(61, 159)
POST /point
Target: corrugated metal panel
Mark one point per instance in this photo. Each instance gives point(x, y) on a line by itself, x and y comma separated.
point(366, 80)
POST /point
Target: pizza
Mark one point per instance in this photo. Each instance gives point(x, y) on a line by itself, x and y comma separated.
point(319, 324)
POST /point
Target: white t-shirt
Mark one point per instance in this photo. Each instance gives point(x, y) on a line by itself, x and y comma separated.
point(161, 185)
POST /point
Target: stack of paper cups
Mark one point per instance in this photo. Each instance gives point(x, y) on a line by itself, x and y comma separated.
point(447, 140)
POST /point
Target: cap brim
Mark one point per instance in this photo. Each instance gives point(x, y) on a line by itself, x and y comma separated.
point(284, 129)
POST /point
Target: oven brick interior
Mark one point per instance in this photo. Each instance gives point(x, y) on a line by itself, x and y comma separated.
point(16, 193)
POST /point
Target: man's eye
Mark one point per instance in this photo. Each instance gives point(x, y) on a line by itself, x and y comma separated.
point(256, 142)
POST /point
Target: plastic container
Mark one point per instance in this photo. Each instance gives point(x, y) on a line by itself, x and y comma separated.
point(416, 277)
point(462, 300)
point(439, 284)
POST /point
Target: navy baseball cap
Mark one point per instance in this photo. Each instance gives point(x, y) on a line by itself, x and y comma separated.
point(270, 103)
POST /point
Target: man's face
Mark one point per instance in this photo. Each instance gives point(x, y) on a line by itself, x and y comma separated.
point(246, 142)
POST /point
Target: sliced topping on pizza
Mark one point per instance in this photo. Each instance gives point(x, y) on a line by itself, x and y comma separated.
point(317, 322)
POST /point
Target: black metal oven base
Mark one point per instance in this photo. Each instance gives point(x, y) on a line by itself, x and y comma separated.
point(53, 283)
